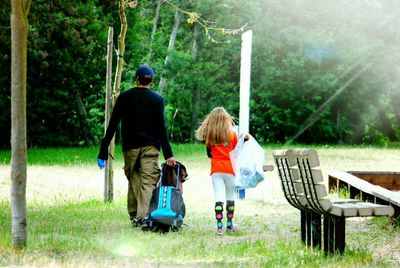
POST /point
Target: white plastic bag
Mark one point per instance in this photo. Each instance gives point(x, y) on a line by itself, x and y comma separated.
point(247, 161)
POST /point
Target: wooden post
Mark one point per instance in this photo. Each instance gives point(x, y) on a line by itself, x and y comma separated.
point(123, 5)
point(108, 172)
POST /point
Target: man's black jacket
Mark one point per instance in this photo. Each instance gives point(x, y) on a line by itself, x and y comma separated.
point(141, 113)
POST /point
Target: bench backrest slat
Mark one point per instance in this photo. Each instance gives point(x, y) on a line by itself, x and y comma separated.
point(290, 187)
point(313, 183)
point(302, 184)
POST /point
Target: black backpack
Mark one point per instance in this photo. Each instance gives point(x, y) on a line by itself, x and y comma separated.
point(167, 209)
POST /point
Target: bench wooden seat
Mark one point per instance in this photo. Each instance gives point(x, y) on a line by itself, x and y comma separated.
point(383, 194)
point(304, 188)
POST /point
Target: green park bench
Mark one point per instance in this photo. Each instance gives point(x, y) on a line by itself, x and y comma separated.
point(304, 188)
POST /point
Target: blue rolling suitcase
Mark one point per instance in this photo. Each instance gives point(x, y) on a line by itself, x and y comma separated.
point(167, 208)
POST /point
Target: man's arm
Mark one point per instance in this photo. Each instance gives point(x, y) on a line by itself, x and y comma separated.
point(165, 145)
point(111, 129)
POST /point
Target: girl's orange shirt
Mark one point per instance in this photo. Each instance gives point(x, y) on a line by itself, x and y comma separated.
point(220, 160)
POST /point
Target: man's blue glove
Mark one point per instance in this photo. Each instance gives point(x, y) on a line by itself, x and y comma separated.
point(101, 163)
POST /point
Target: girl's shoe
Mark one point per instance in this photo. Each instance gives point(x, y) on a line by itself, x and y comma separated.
point(220, 231)
point(232, 229)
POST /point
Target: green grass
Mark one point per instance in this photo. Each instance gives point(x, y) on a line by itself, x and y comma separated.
point(95, 233)
point(74, 231)
point(87, 155)
point(59, 156)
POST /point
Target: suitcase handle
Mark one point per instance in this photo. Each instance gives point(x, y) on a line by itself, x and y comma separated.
point(177, 176)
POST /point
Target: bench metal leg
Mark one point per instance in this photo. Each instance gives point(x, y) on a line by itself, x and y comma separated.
point(303, 225)
point(316, 229)
point(329, 234)
point(308, 228)
point(334, 234)
point(326, 234)
point(340, 234)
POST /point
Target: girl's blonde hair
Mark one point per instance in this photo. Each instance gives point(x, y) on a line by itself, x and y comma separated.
point(216, 128)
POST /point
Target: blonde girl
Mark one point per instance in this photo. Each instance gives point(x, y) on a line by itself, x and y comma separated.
point(217, 132)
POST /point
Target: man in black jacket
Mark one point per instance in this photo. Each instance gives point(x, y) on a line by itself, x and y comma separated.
point(141, 113)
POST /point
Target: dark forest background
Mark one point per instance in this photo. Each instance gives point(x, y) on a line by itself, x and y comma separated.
point(322, 71)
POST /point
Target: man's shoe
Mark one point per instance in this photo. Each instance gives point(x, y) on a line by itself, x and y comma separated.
point(132, 215)
point(144, 225)
point(138, 222)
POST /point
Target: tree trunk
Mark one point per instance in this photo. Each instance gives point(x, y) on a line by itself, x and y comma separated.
point(19, 33)
point(196, 89)
point(171, 45)
point(153, 32)
point(108, 172)
point(386, 125)
point(395, 100)
point(80, 107)
point(117, 85)
point(120, 52)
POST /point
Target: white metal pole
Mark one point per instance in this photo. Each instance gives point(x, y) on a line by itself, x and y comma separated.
point(245, 73)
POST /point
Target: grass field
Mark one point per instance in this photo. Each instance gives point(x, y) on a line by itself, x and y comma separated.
point(70, 226)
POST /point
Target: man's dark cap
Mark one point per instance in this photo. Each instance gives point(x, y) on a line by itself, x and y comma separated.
point(145, 72)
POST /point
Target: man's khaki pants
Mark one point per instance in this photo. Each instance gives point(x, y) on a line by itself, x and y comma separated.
point(143, 173)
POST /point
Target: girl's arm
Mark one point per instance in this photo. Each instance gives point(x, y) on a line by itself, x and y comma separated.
point(208, 151)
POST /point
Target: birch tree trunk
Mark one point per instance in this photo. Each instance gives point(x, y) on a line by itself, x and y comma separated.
point(19, 33)
point(120, 51)
point(171, 45)
point(80, 107)
point(196, 89)
point(154, 31)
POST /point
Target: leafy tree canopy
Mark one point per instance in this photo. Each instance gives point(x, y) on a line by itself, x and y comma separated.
point(322, 71)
